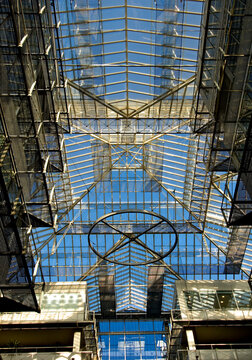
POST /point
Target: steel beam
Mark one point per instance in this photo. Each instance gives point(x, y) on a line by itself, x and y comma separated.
point(163, 96)
point(95, 98)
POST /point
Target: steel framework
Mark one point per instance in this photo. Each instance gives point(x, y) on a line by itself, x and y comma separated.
point(107, 107)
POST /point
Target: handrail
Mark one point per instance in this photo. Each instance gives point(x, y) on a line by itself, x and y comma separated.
point(211, 314)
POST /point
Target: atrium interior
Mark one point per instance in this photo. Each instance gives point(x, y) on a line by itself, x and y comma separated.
point(125, 179)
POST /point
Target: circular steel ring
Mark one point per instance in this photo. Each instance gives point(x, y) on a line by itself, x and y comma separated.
point(151, 213)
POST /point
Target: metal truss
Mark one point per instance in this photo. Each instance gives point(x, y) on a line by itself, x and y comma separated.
point(113, 120)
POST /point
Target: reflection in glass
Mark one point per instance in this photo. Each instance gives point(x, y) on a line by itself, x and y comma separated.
point(193, 300)
point(243, 299)
point(209, 299)
point(226, 299)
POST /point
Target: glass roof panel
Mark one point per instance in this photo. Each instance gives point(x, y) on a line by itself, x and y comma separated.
point(130, 71)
